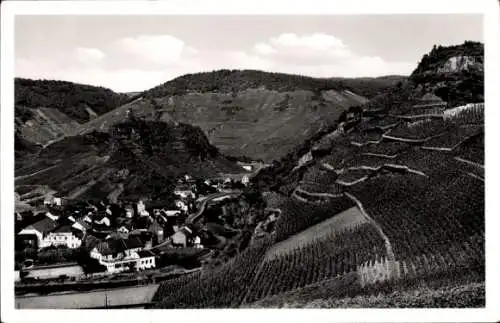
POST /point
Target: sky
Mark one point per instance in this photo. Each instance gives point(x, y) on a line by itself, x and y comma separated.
point(135, 53)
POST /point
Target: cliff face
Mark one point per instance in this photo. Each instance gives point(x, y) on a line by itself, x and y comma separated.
point(460, 63)
point(454, 73)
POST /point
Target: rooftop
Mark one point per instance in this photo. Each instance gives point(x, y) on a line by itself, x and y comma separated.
point(46, 225)
point(64, 229)
point(145, 253)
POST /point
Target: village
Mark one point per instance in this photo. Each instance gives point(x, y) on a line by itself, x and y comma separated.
point(108, 238)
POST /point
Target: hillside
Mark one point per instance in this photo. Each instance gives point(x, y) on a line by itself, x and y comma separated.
point(437, 76)
point(387, 209)
point(252, 113)
point(46, 109)
point(136, 158)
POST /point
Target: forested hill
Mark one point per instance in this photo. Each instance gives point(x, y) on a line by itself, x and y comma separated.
point(77, 101)
point(135, 158)
point(240, 80)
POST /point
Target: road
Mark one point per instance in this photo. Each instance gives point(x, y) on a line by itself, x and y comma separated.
point(193, 217)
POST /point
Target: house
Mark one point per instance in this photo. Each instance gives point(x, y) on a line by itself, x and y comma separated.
point(123, 229)
point(180, 238)
point(104, 220)
point(51, 200)
point(129, 211)
point(146, 260)
point(62, 236)
point(36, 232)
point(141, 209)
point(197, 242)
point(81, 225)
point(52, 216)
point(118, 254)
point(184, 191)
point(181, 205)
point(245, 180)
point(172, 213)
point(157, 231)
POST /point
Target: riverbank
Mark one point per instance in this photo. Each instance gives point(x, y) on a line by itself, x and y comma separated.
point(117, 297)
point(52, 287)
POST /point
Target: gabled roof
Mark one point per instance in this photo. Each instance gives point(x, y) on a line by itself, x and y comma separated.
point(45, 226)
point(64, 229)
point(133, 242)
point(155, 226)
point(83, 223)
point(145, 253)
point(117, 235)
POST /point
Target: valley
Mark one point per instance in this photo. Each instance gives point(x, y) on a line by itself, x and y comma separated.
point(268, 189)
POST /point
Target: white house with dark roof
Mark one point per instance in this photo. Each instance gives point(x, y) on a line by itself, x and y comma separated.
point(62, 236)
point(182, 236)
point(81, 225)
point(146, 260)
point(119, 254)
point(184, 191)
point(39, 230)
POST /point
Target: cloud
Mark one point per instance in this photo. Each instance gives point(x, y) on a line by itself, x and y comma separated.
point(156, 49)
point(323, 55)
point(314, 47)
point(88, 55)
point(141, 62)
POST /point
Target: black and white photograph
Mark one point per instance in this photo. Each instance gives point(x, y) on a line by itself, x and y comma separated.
point(244, 160)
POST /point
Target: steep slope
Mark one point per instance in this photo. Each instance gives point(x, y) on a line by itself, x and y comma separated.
point(136, 158)
point(453, 75)
point(252, 113)
point(389, 204)
point(46, 110)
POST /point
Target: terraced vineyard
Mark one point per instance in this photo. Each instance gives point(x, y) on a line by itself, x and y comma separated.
point(225, 286)
point(297, 216)
point(325, 258)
